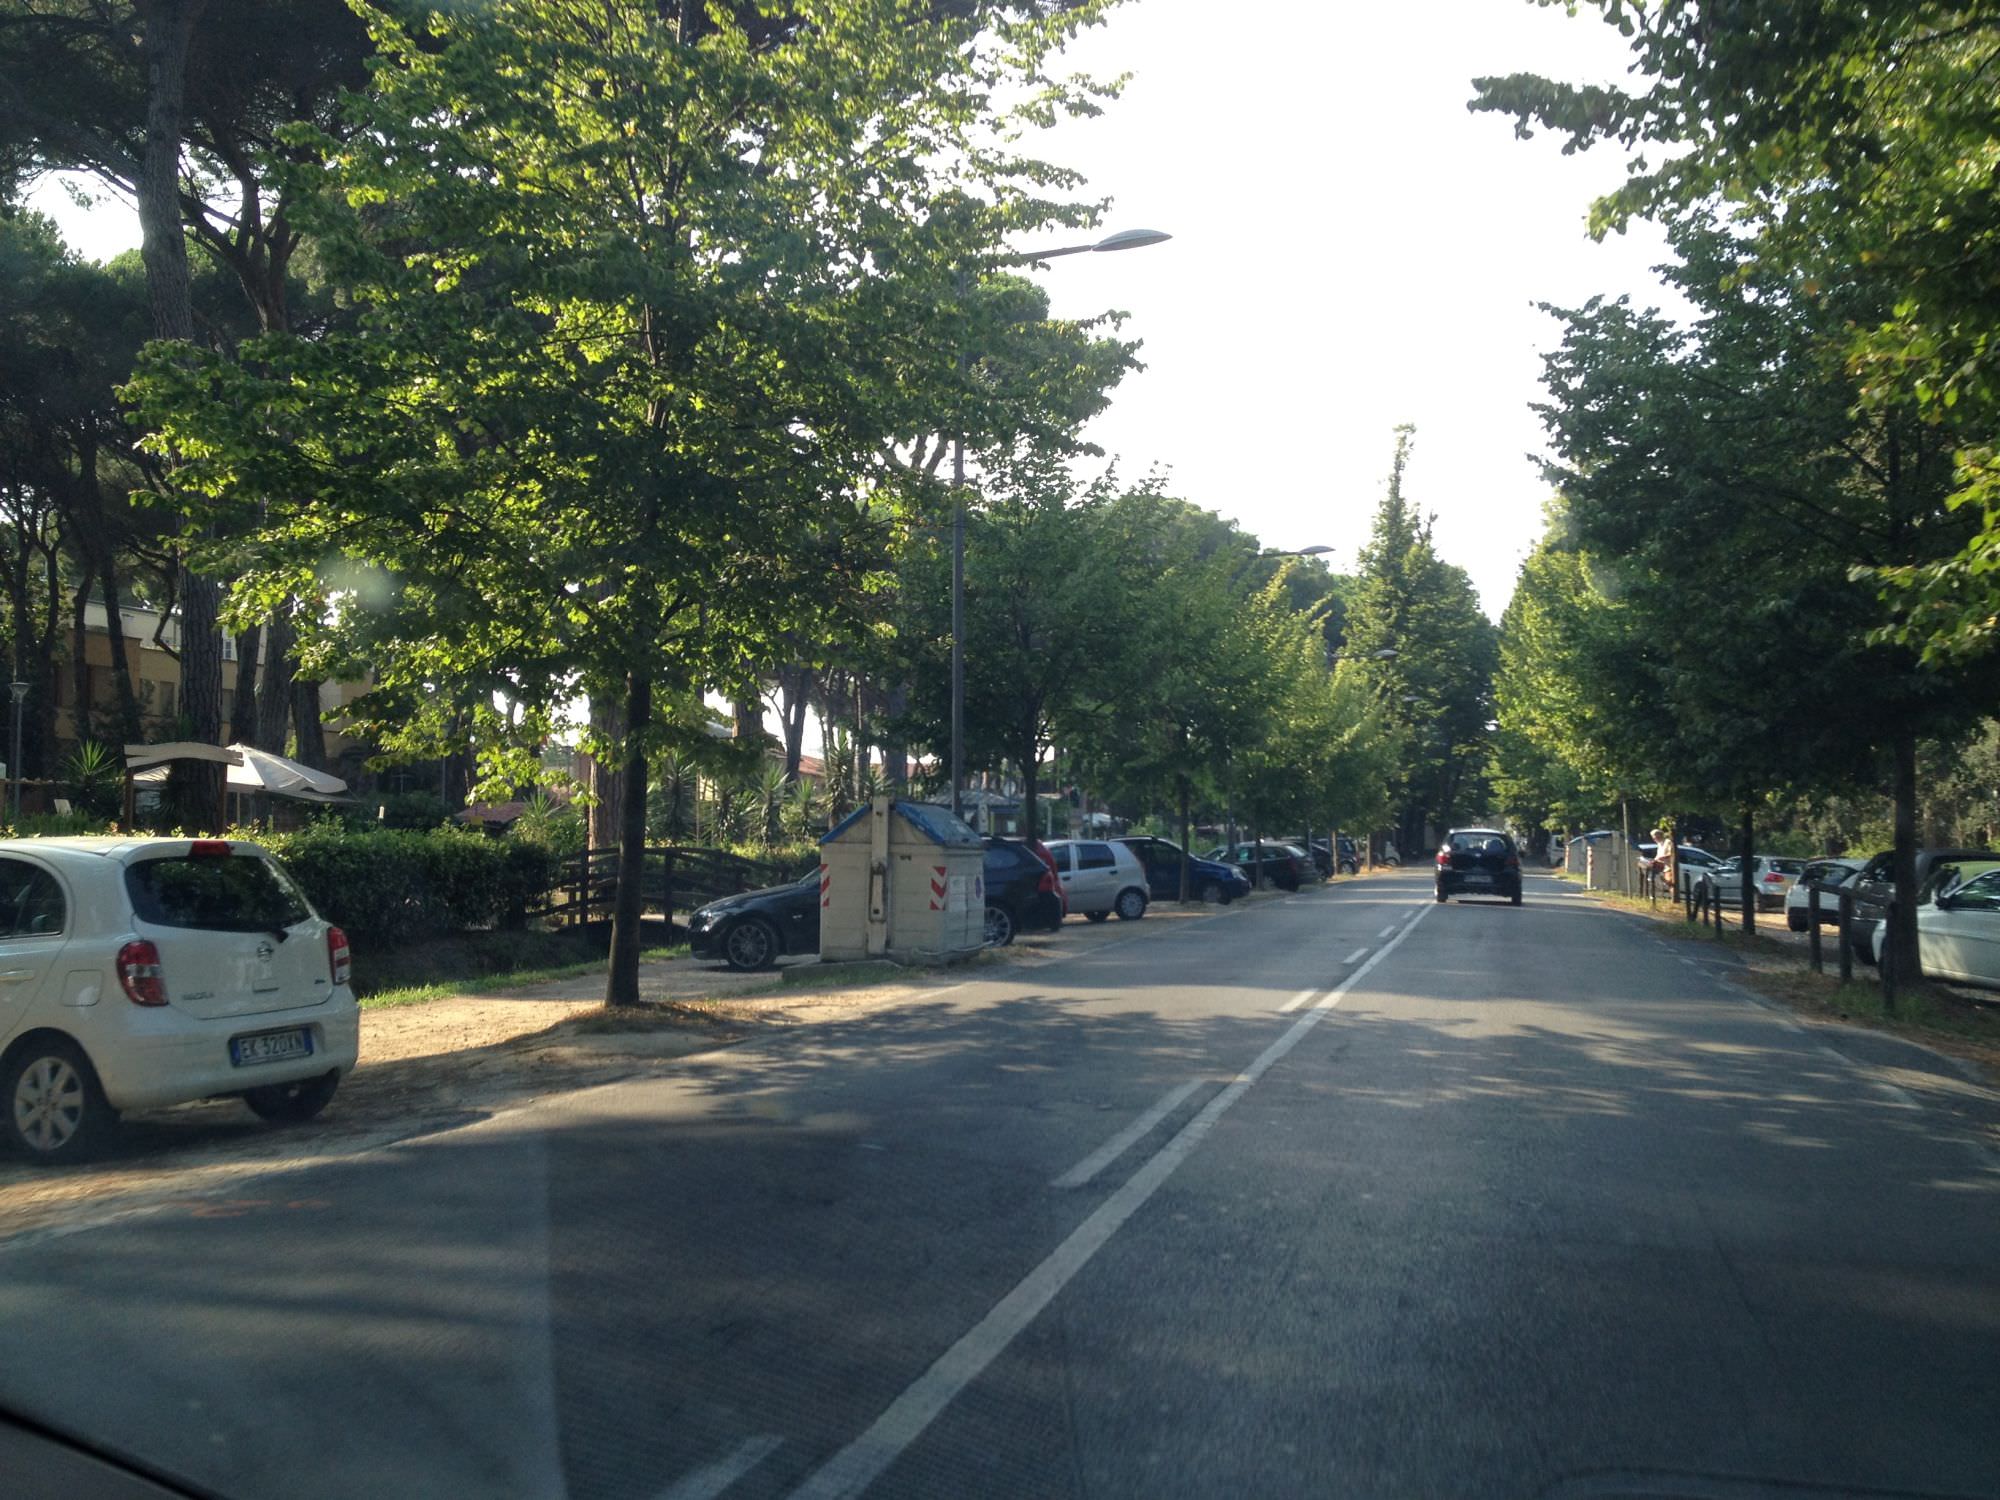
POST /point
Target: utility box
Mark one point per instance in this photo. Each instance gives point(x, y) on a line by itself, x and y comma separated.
point(904, 881)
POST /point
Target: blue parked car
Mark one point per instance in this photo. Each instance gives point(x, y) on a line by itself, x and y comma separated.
point(1213, 882)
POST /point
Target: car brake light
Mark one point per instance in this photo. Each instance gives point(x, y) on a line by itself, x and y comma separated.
point(139, 973)
point(1444, 858)
point(1048, 881)
point(1774, 879)
point(337, 958)
point(209, 849)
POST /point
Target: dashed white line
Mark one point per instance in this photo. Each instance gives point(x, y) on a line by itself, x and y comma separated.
point(862, 1462)
point(1120, 1143)
point(1387, 932)
point(711, 1480)
point(1297, 1000)
point(1355, 957)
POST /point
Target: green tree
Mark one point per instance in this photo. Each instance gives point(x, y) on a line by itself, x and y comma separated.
point(642, 296)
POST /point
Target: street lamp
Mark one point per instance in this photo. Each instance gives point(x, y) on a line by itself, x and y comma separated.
point(20, 692)
point(1124, 239)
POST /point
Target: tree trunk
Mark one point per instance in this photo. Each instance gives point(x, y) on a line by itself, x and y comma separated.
point(168, 32)
point(130, 728)
point(274, 693)
point(308, 733)
point(621, 984)
point(1030, 766)
point(606, 781)
point(1747, 894)
point(1187, 835)
point(244, 720)
point(79, 661)
point(794, 701)
point(1899, 944)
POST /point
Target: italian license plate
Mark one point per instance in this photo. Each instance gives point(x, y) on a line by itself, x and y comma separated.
point(270, 1046)
point(1478, 877)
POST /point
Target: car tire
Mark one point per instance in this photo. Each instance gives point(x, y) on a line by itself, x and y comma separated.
point(999, 927)
point(1796, 920)
point(1212, 894)
point(1440, 895)
point(750, 944)
point(1515, 898)
point(292, 1103)
point(1098, 916)
point(55, 1109)
point(1130, 905)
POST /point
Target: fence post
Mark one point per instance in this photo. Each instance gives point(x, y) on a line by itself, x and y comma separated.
point(1715, 905)
point(1846, 934)
point(1892, 958)
point(1812, 928)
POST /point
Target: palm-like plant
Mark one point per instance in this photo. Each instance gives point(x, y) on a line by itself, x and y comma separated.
point(94, 774)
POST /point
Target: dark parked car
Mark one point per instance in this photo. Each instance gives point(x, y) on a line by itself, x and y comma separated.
point(1284, 865)
point(1875, 888)
point(1212, 881)
point(756, 929)
point(1478, 862)
point(1320, 850)
point(1021, 892)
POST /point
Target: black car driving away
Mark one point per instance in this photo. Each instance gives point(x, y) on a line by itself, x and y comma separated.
point(1478, 862)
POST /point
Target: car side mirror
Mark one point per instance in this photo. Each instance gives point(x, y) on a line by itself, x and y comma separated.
point(1945, 903)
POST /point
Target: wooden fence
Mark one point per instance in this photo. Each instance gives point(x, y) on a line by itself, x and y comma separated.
point(671, 880)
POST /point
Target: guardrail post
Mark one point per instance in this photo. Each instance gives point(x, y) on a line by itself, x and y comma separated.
point(1846, 934)
point(1812, 927)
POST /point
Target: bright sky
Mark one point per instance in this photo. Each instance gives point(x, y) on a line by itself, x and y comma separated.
point(1351, 250)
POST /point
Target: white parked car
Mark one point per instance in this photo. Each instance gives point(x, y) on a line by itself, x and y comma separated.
point(137, 972)
point(1771, 876)
point(1100, 877)
point(1827, 872)
point(1958, 932)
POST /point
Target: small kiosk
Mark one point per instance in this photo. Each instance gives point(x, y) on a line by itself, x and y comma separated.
point(901, 880)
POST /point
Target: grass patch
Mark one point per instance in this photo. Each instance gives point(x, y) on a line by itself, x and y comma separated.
point(487, 961)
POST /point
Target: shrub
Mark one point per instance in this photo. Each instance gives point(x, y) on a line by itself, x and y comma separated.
point(392, 885)
point(419, 810)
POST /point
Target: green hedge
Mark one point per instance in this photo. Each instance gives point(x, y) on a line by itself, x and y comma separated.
point(401, 886)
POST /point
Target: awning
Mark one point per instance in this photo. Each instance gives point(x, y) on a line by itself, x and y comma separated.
point(250, 770)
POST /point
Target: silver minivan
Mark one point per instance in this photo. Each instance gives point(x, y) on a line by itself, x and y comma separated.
point(1100, 876)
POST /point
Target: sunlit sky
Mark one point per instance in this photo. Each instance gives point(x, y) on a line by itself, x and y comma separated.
point(1352, 250)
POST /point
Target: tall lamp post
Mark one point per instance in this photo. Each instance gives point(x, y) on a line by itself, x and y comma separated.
point(20, 694)
point(1125, 239)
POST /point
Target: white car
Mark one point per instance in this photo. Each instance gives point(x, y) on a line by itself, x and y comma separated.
point(1958, 932)
point(1771, 876)
point(1100, 877)
point(1827, 872)
point(138, 972)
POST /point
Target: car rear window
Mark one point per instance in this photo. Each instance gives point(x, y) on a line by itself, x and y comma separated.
point(1788, 866)
point(1094, 857)
point(218, 893)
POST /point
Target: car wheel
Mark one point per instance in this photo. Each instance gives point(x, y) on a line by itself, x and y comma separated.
point(1515, 898)
point(999, 927)
point(1098, 916)
point(292, 1103)
point(1440, 895)
point(1212, 894)
point(1796, 920)
point(751, 944)
point(1131, 904)
point(56, 1112)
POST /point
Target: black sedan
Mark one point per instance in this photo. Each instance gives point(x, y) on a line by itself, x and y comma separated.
point(756, 929)
point(1479, 862)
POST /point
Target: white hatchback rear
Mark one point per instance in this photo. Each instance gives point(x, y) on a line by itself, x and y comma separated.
point(142, 972)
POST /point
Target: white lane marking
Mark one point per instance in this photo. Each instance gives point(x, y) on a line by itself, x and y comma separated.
point(861, 1462)
point(1122, 1142)
point(1388, 931)
point(1355, 957)
point(1297, 1000)
point(712, 1479)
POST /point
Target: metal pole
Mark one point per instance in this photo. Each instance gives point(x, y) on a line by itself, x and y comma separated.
point(957, 626)
point(19, 691)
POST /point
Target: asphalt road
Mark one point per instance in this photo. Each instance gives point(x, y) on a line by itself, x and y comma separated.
point(1347, 1195)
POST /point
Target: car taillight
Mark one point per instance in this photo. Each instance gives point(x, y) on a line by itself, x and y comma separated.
point(1774, 879)
point(139, 973)
point(1048, 881)
point(1444, 858)
point(336, 954)
point(209, 849)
